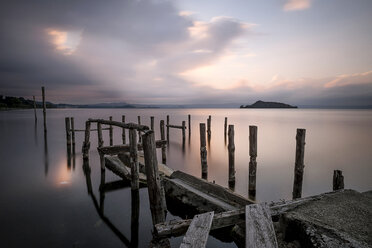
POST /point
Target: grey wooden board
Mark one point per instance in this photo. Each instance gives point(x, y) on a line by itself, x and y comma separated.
point(259, 229)
point(198, 232)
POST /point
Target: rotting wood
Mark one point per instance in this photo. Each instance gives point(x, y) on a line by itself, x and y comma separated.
point(175, 126)
point(44, 107)
point(338, 180)
point(299, 164)
point(152, 123)
point(111, 133)
point(203, 151)
point(123, 129)
point(163, 147)
point(99, 133)
point(86, 144)
point(252, 162)
point(114, 150)
point(259, 231)
point(139, 131)
point(231, 148)
point(114, 164)
point(198, 232)
point(153, 180)
point(83, 130)
point(120, 124)
point(35, 108)
point(134, 169)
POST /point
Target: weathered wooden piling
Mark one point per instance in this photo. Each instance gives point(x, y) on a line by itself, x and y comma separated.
point(231, 148)
point(225, 127)
point(123, 129)
point(99, 133)
point(189, 118)
point(111, 133)
point(86, 144)
point(203, 151)
point(139, 132)
point(152, 123)
point(162, 137)
point(252, 162)
point(183, 131)
point(168, 128)
point(44, 107)
point(153, 180)
point(338, 180)
point(299, 164)
point(198, 231)
point(209, 120)
point(35, 108)
point(68, 133)
point(73, 133)
point(134, 167)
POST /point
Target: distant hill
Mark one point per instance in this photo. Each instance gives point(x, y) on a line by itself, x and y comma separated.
point(262, 104)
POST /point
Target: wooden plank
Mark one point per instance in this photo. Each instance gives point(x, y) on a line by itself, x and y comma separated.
point(120, 124)
point(299, 164)
point(114, 150)
point(83, 130)
point(198, 232)
point(259, 230)
point(175, 126)
point(114, 164)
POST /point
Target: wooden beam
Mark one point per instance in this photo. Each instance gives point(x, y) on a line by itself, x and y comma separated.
point(120, 124)
point(114, 150)
point(259, 228)
point(175, 126)
point(198, 232)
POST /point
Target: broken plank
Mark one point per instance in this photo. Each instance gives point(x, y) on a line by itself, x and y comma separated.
point(259, 228)
point(115, 165)
point(198, 232)
point(114, 150)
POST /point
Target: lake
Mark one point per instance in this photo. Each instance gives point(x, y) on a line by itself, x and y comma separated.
point(45, 201)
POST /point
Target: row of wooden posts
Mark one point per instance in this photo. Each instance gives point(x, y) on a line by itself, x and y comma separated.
point(206, 130)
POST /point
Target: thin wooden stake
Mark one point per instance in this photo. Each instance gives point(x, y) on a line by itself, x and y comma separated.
point(252, 162)
point(123, 134)
point(163, 149)
point(338, 180)
point(153, 180)
point(86, 144)
point(68, 133)
point(139, 132)
point(225, 127)
point(44, 107)
point(203, 151)
point(35, 108)
point(231, 148)
point(73, 134)
point(168, 128)
point(183, 131)
point(134, 167)
point(152, 123)
point(111, 133)
point(299, 164)
point(209, 120)
point(189, 125)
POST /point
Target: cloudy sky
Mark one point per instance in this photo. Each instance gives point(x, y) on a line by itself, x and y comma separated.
point(302, 52)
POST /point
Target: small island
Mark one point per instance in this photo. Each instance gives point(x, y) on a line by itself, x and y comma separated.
point(262, 104)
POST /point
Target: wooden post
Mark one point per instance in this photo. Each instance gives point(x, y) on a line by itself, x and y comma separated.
point(299, 164)
point(209, 126)
point(203, 151)
point(189, 125)
point(231, 148)
point(35, 109)
point(44, 107)
point(152, 123)
point(68, 133)
point(86, 144)
point(183, 132)
point(225, 127)
point(123, 134)
point(153, 180)
point(168, 128)
point(111, 131)
point(134, 167)
point(163, 150)
point(139, 132)
point(99, 132)
point(338, 180)
point(73, 134)
point(252, 162)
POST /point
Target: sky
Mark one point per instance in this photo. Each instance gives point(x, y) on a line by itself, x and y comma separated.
point(301, 52)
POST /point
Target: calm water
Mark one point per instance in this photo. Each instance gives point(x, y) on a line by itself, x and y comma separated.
point(44, 203)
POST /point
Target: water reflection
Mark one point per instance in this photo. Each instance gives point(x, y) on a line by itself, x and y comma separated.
point(46, 157)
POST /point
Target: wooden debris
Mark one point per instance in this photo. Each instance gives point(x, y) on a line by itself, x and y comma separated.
point(198, 232)
point(114, 150)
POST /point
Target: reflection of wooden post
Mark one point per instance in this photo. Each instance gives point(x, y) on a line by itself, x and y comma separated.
point(252, 162)
point(153, 180)
point(209, 120)
point(152, 123)
point(100, 136)
point(68, 133)
point(111, 133)
point(44, 107)
point(183, 132)
point(162, 136)
point(189, 125)
point(134, 218)
point(35, 108)
point(123, 134)
point(299, 164)
point(168, 128)
point(73, 134)
point(134, 168)
point(338, 180)
point(203, 151)
point(86, 143)
point(139, 132)
point(231, 148)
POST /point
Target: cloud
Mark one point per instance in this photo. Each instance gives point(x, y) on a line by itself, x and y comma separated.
point(350, 79)
point(293, 5)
